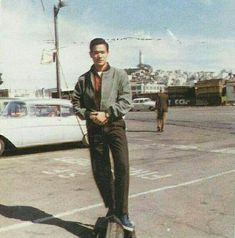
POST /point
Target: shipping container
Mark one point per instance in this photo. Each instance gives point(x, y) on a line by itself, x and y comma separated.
point(211, 92)
point(181, 95)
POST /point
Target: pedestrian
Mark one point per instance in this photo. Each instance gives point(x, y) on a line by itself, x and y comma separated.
point(102, 96)
point(162, 110)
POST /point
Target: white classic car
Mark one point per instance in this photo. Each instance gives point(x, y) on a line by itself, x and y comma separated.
point(34, 122)
point(143, 104)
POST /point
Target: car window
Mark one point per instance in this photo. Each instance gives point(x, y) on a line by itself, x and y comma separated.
point(45, 110)
point(15, 109)
point(66, 111)
point(141, 100)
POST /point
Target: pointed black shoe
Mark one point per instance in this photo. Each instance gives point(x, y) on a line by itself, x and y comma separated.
point(126, 223)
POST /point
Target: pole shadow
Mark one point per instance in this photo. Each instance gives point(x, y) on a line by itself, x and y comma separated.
point(37, 216)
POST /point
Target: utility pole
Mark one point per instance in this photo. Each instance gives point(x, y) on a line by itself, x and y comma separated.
point(57, 61)
point(1, 81)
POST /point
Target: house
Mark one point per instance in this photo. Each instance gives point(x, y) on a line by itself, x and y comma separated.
point(230, 91)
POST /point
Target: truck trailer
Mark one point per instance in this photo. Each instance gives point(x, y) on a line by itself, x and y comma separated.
point(211, 92)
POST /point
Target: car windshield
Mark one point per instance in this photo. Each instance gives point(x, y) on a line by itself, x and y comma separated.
point(15, 109)
point(3, 105)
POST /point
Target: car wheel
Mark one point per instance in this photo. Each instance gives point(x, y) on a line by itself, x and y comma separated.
point(85, 140)
point(151, 108)
point(2, 146)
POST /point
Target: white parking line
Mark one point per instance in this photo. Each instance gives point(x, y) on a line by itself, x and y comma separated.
point(181, 184)
point(225, 151)
point(26, 224)
point(147, 174)
point(229, 150)
point(185, 147)
point(141, 139)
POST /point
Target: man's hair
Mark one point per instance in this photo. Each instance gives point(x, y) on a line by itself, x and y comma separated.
point(98, 41)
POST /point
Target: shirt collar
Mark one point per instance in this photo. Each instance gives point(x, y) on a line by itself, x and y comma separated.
point(93, 69)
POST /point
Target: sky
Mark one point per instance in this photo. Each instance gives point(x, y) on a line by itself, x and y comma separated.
point(191, 35)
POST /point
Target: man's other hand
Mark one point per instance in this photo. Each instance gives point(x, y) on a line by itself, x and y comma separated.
point(99, 118)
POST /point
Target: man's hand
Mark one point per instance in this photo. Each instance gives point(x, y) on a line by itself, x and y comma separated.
point(99, 118)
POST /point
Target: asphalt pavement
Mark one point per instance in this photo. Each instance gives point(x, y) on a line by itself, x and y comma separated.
point(182, 181)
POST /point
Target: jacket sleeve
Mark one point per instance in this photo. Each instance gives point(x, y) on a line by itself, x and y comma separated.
point(123, 103)
point(77, 101)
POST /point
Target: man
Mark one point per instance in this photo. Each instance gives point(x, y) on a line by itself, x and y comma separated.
point(162, 109)
point(102, 96)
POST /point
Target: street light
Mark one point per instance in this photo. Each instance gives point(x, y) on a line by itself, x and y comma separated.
point(56, 11)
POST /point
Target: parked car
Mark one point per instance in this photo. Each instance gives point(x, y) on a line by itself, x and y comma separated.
point(143, 104)
point(34, 122)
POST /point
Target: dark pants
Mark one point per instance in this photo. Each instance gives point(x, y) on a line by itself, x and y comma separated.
point(113, 187)
point(161, 119)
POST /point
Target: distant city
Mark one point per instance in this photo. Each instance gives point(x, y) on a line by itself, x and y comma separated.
point(145, 80)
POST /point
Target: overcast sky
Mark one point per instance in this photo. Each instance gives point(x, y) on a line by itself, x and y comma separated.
point(191, 35)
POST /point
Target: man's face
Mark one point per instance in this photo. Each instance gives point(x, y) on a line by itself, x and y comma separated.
point(99, 55)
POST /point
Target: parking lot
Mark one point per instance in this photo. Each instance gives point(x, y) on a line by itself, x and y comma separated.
point(182, 181)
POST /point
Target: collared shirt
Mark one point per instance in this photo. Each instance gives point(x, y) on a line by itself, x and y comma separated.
point(97, 76)
point(97, 82)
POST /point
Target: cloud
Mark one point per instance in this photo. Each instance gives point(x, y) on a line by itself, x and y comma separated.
point(22, 41)
point(206, 2)
point(23, 38)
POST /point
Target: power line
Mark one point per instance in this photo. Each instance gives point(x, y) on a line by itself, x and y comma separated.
point(48, 24)
point(43, 8)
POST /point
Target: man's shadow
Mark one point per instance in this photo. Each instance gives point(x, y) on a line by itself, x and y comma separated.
point(27, 213)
